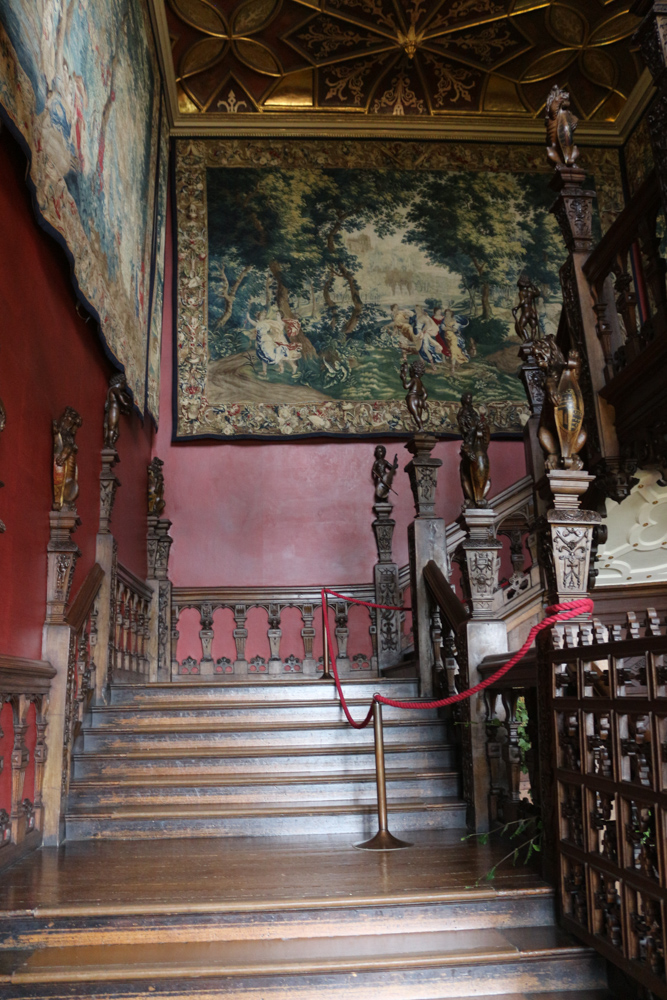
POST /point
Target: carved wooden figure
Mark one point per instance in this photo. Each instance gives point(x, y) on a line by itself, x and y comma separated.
point(561, 124)
point(561, 432)
point(474, 467)
point(526, 322)
point(155, 488)
point(118, 401)
point(383, 473)
point(417, 394)
point(65, 472)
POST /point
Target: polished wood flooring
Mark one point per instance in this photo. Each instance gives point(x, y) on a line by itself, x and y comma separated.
point(230, 873)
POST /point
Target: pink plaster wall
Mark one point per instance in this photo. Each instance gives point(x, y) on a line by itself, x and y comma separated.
point(279, 514)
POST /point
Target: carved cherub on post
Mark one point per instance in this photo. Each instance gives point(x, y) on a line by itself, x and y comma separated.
point(561, 432)
point(474, 467)
point(526, 321)
point(383, 473)
point(561, 124)
point(65, 472)
point(118, 401)
point(417, 394)
point(155, 488)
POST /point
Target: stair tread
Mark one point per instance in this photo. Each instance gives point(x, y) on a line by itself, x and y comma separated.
point(264, 681)
point(191, 704)
point(293, 956)
point(290, 778)
point(215, 726)
point(322, 806)
point(258, 751)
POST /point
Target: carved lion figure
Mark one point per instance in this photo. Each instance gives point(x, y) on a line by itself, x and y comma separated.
point(561, 124)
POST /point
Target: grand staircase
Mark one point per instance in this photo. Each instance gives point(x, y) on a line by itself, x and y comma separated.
point(209, 855)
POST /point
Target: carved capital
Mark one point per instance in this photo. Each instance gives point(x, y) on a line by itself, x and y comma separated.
point(479, 556)
point(158, 545)
point(62, 554)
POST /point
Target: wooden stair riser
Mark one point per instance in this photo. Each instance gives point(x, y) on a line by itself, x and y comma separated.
point(358, 822)
point(330, 736)
point(343, 787)
point(256, 713)
point(294, 690)
point(288, 760)
point(56, 931)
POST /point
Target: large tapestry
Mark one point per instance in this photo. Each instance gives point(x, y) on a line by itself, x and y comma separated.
point(309, 273)
point(80, 83)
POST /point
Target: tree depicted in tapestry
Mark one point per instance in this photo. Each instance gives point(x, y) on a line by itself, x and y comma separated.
point(302, 292)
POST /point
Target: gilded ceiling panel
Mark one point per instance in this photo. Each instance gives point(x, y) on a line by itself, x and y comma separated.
point(423, 58)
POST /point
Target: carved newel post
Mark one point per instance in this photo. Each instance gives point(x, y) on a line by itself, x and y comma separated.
point(426, 534)
point(388, 623)
point(479, 557)
point(62, 555)
point(159, 543)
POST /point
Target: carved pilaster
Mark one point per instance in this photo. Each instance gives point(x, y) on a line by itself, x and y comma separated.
point(61, 561)
point(40, 755)
point(240, 637)
point(109, 483)
point(480, 559)
point(275, 634)
point(388, 623)
point(158, 546)
point(570, 534)
point(342, 633)
point(19, 760)
point(206, 666)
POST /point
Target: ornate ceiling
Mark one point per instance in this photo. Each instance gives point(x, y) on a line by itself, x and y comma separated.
point(388, 63)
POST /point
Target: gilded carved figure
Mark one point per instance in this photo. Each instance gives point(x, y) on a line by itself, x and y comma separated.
point(474, 467)
point(383, 473)
point(65, 472)
point(561, 124)
point(118, 401)
point(561, 432)
point(417, 394)
point(526, 322)
point(155, 488)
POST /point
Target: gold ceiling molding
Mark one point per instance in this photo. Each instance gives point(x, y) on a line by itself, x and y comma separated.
point(398, 69)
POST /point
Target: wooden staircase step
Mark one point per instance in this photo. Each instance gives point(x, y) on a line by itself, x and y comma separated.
point(242, 688)
point(521, 957)
point(317, 710)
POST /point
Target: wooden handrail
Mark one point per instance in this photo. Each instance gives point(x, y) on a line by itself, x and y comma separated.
point(445, 597)
point(131, 580)
point(623, 231)
point(82, 604)
point(19, 675)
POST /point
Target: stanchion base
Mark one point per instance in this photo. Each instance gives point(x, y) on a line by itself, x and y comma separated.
point(382, 841)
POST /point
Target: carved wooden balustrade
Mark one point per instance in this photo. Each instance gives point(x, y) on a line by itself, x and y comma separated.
point(24, 683)
point(274, 600)
point(605, 776)
point(131, 625)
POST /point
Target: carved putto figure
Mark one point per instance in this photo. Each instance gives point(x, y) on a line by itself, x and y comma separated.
point(118, 401)
point(155, 488)
point(561, 432)
point(561, 124)
point(474, 467)
point(417, 394)
point(526, 322)
point(383, 473)
point(65, 472)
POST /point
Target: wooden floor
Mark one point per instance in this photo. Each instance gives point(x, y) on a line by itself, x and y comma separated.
point(229, 873)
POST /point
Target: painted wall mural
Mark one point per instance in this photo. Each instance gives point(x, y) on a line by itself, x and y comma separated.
point(81, 84)
point(307, 273)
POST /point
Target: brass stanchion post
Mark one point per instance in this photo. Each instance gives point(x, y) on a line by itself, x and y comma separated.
point(383, 840)
point(326, 673)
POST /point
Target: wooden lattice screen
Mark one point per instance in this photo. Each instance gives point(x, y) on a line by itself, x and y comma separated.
point(609, 699)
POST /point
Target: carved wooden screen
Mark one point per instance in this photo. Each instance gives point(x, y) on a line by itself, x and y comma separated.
point(610, 715)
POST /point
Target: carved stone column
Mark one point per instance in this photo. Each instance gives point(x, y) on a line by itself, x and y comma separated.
point(206, 665)
point(342, 633)
point(426, 541)
point(62, 554)
point(388, 623)
point(158, 545)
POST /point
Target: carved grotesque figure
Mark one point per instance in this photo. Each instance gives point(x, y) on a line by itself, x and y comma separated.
point(417, 394)
point(383, 473)
point(474, 467)
point(526, 322)
point(561, 432)
point(118, 401)
point(65, 472)
point(561, 124)
point(155, 488)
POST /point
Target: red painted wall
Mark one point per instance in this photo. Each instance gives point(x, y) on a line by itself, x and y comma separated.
point(296, 513)
point(50, 358)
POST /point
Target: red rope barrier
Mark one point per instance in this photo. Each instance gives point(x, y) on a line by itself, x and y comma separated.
point(560, 613)
point(366, 604)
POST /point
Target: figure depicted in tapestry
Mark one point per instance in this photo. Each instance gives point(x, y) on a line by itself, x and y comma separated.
point(321, 281)
point(383, 473)
point(155, 488)
point(561, 124)
point(65, 471)
point(561, 431)
point(411, 377)
point(526, 320)
point(118, 401)
point(474, 467)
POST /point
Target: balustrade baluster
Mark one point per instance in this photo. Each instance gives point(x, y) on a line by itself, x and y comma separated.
point(206, 635)
point(175, 635)
point(40, 754)
point(308, 635)
point(342, 635)
point(275, 665)
point(240, 637)
point(19, 760)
